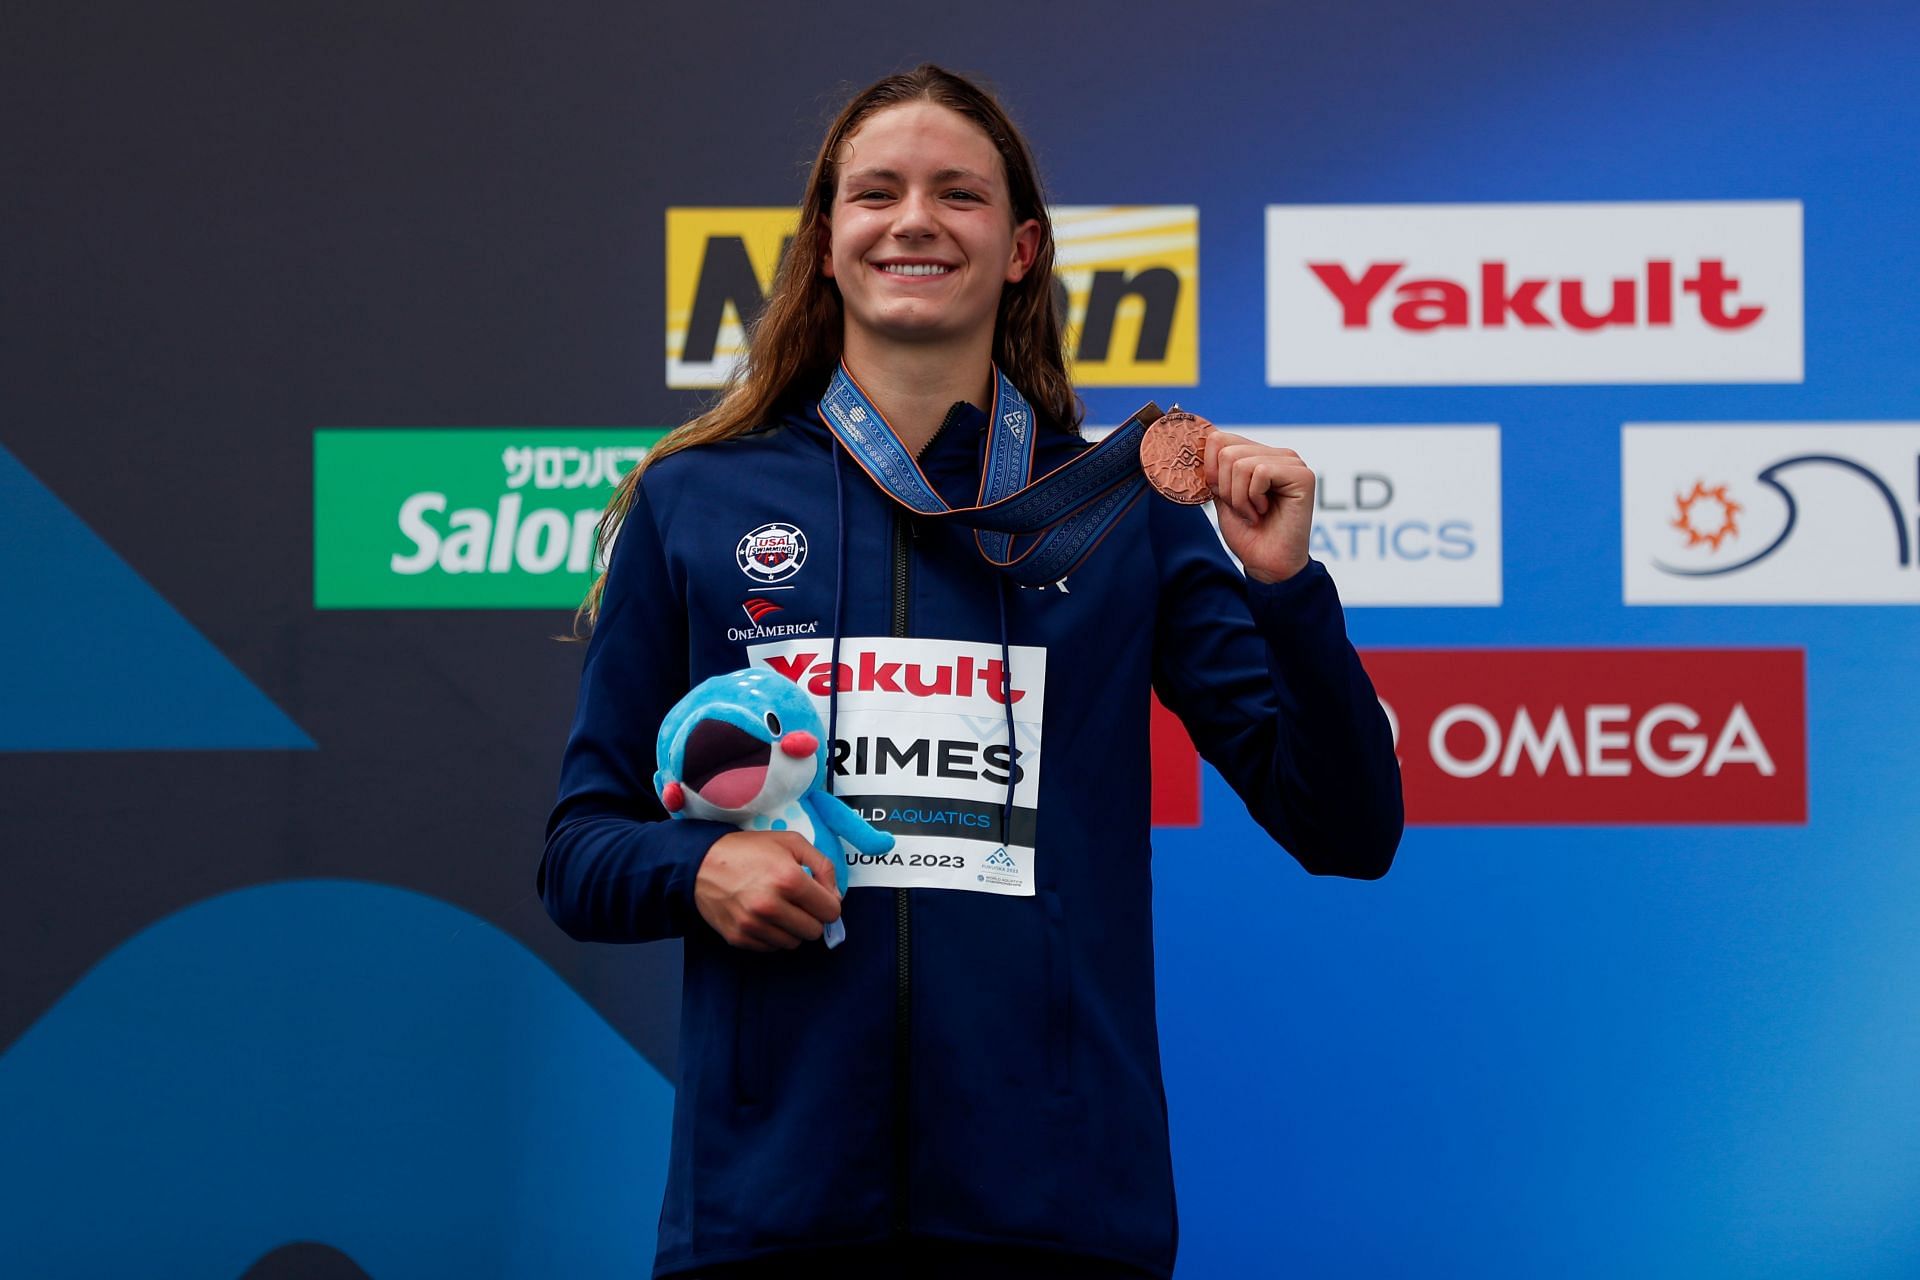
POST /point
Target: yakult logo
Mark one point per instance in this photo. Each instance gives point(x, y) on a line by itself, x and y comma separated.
point(1555, 737)
point(1520, 294)
point(1541, 303)
point(961, 677)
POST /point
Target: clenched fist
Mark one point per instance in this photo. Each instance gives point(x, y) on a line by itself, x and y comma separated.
point(1264, 498)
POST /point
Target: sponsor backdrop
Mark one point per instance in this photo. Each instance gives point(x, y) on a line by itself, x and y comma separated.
point(329, 329)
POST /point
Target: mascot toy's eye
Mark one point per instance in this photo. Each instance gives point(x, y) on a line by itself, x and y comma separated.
point(773, 724)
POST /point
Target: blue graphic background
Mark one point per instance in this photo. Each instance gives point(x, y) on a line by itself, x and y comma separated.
point(95, 659)
point(1570, 1052)
point(328, 1061)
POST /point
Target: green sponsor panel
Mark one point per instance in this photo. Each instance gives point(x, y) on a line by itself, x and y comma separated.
point(500, 518)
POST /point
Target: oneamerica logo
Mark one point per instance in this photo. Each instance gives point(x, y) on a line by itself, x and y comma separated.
point(758, 608)
point(1534, 294)
point(772, 553)
point(758, 632)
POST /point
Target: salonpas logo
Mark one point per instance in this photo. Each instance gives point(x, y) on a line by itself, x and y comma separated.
point(442, 519)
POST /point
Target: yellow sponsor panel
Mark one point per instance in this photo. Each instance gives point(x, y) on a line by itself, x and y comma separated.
point(1130, 274)
point(720, 265)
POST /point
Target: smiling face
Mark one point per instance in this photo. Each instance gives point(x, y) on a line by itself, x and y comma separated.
point(922, 237)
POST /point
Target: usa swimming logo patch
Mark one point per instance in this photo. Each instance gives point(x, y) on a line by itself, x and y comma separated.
point(772, 553)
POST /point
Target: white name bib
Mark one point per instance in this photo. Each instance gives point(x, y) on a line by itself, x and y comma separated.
point(921, 752)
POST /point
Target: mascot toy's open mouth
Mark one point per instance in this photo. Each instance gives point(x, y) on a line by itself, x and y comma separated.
point(725, 766)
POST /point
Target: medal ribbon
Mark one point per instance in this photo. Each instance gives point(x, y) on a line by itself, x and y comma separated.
point(1065, 512)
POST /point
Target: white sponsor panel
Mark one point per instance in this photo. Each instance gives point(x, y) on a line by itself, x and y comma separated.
point(1750, 513)
point(1523, 294)
point(921, 750)
point(1403, 515)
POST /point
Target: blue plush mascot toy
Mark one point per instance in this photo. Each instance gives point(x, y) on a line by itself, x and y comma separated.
point(747, 748)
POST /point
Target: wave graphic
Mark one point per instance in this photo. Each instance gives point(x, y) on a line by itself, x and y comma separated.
point(96, 659)
point(330, 1062)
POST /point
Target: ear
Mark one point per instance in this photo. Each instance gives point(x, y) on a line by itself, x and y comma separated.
point(826, 248)
point(1026, 247)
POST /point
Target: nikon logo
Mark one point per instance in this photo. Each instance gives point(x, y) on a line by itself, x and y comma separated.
point(1127, 277)
point(496, 519)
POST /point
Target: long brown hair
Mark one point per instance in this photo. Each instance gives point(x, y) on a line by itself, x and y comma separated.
point(795, 343)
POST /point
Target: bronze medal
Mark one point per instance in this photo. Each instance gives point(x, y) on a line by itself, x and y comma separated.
point(1173, 453)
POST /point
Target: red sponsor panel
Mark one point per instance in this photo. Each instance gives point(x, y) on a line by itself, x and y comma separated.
point(1558, 737)
point(1598, 736)
point(1176, 771)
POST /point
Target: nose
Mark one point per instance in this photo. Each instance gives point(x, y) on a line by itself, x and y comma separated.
point(913, 216)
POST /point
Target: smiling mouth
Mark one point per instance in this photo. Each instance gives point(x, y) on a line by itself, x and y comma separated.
point(914, 269)
point(725, 766)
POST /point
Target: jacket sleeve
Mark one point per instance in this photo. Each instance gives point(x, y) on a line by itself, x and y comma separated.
point(1274, 696)
point(616, 868)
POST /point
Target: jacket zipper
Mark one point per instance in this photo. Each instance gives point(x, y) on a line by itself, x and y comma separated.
point(903, 533)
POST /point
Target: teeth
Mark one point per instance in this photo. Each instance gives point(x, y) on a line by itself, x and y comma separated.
point(916, 269)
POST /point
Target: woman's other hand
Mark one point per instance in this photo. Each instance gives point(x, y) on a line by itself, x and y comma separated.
point(755, 890)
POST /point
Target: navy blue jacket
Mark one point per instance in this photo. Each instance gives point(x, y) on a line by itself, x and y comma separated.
point(967, 1066)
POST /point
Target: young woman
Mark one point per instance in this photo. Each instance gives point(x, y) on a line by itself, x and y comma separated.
point(971, 1080)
